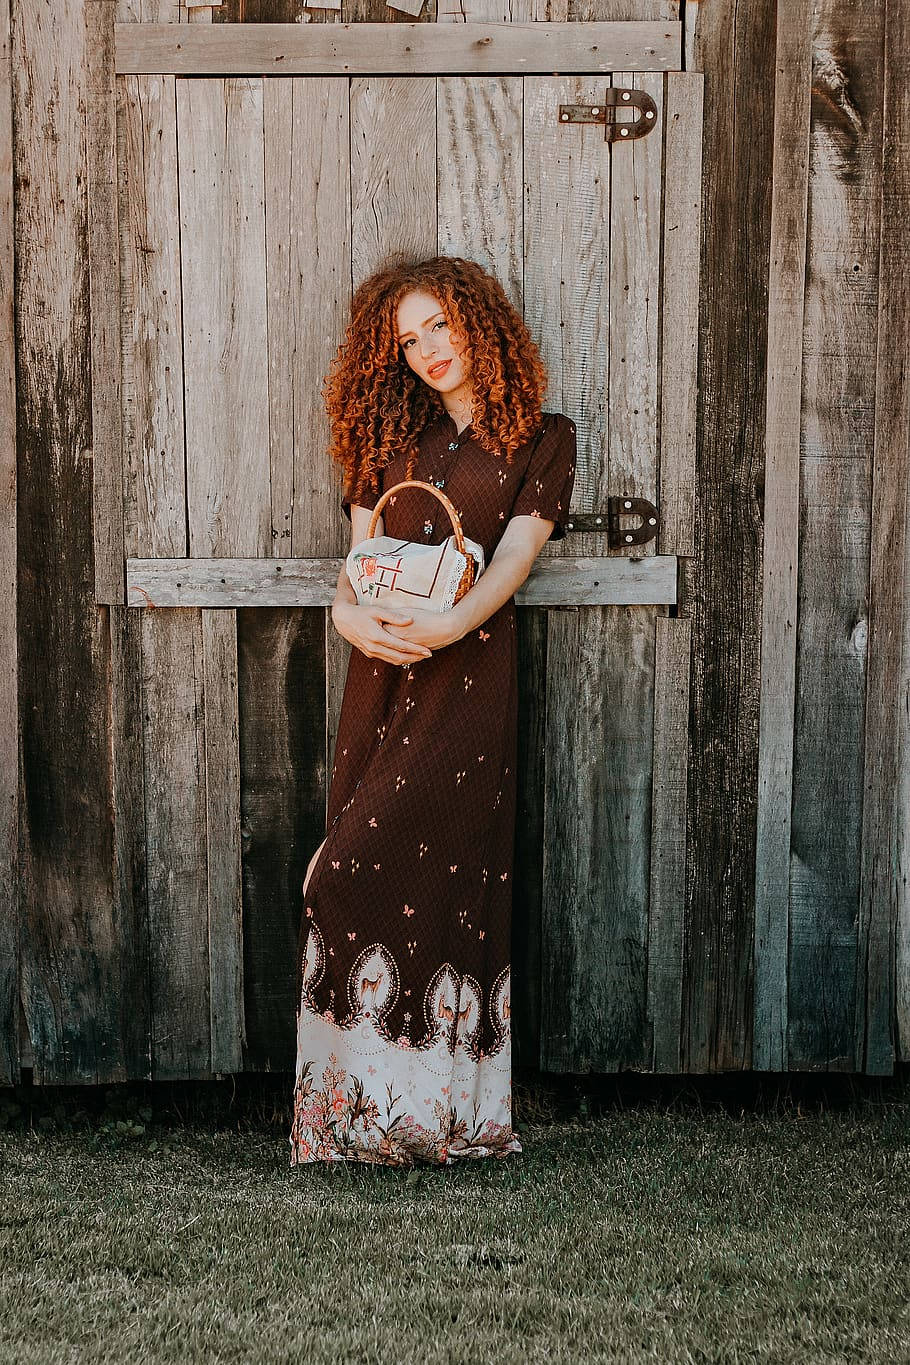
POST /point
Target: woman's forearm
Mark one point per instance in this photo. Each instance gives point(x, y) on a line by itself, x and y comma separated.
point(344, 592)
point(504, 575)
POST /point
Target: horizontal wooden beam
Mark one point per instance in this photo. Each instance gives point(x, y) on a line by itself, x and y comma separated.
point(395, 49)
point(552, 582)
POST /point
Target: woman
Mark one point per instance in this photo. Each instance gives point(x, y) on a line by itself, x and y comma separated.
point(403, 1023)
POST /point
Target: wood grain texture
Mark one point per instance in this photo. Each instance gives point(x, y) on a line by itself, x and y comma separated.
point(827, 964)
point(282, 687)
point(678, 311)
point(308, 268)
point(666, 918)
point(104, 303)
point(883, 892)
point(781, 516)
point(174, 730)
point(403, 48)
point(9, 686)
point(79, 976)
point(735, 49)
point(553, 581)
point(479, 174)
point(225, 337)
point(151, 325)
point(223, 854)
point(566, 279)
point(393, 198)
point(894, 323)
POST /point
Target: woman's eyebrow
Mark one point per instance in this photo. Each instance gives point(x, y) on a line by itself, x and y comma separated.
point(423, 324)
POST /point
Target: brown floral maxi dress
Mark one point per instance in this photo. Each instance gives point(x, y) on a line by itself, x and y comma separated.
point(403, 990)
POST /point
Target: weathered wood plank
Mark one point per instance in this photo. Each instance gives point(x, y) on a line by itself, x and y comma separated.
point(567, 195)
point(826, 962)
point(282, 811)
point(78, 979)
point(893, 322)
point(735, 48)
point(393, 198)
point(223, 855)
point(678, 373)
point(104, 303)
point(567, 233)
point(666, 921)
point(173, 710)
point(308, 268)
point(478, 123)
point(10, 1059)
point(677, 389)
point(552, 582)
point(781, 545)
point(151, 331)
point(402, 49)
point(222, 223)
point(885, 867)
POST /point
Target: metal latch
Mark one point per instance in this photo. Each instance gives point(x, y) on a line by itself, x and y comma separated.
point(631, 507)
point(616, 98)
point(618, 507)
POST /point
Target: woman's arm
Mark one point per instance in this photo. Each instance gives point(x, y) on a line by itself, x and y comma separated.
point(520, 545)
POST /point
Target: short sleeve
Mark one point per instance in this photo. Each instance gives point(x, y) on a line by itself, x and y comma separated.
point(366, 499)
point(546, 488)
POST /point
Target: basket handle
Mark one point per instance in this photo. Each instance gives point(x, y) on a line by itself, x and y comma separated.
point(419, 483)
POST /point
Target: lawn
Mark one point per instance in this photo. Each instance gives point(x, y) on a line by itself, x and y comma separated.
point(646, 1220)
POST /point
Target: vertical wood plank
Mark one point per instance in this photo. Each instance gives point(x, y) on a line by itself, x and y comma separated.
point(679, 290)
point(735, 49)
point(781, 546)
point(9, 700)
point(308, 268)
point(479, 144)
point(151, 328)
point(104, 305)
point(222, 796)
point(884, 871)
point(173, 709)
point(222, 226)
point(677, 390)
point(666, 936)
point(393, 198)
point(826, 959)
point(282, 690)
point(76, 976)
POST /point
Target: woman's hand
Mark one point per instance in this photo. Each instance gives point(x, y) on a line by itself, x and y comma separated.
point(433, 628)
point(362, 624)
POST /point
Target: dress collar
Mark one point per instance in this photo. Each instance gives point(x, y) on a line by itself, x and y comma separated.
point(448, 422)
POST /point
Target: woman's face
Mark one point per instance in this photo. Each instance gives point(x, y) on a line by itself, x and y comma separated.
point(429, 348)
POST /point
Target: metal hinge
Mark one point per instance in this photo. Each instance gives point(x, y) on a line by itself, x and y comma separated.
point(616, 98)
point(617, 507)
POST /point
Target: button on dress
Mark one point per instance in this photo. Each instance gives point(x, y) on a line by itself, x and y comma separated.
point(403, 966)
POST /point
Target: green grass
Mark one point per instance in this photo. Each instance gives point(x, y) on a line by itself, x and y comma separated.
point(653, 1221)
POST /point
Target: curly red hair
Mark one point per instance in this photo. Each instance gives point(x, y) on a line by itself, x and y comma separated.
point(378, 406)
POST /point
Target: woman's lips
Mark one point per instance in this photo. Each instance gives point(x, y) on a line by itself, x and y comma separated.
point(436, 371)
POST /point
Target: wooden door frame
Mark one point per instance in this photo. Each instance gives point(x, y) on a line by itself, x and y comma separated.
point(119, 49)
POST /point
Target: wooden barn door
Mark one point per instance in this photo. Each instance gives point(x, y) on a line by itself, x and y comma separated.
point(247, 207)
